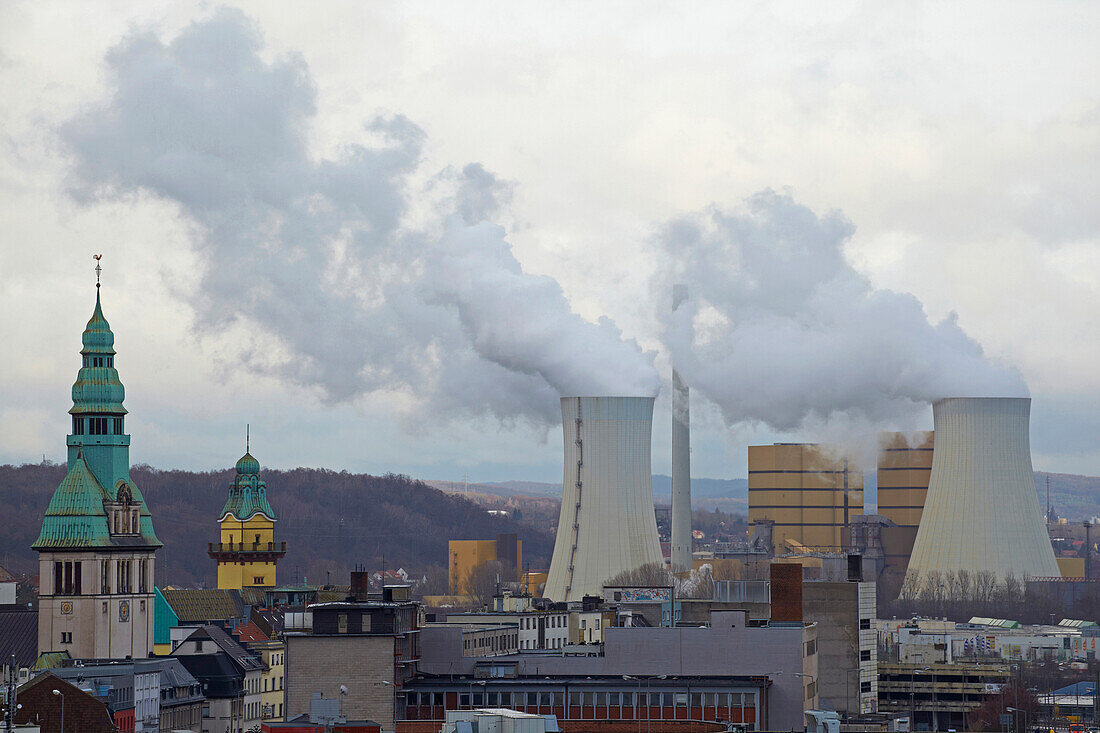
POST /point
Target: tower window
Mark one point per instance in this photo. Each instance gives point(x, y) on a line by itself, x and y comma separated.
point(116, 426)
point(110, 361)
point(78, 426)
point(84, 361)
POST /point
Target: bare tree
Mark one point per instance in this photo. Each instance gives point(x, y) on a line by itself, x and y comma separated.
point(481, 582)
point(654, 573)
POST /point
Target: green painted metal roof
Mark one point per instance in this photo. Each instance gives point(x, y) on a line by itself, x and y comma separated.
point(76, 518)
point(247, 493)
point(97, 388)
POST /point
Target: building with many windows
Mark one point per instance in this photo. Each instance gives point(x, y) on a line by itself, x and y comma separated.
point(96, 545)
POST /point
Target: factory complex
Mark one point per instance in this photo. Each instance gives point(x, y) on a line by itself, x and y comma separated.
point(782, 628)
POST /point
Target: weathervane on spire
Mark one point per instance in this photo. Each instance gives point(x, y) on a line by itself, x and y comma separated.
point(246, 438)
point(98, 269)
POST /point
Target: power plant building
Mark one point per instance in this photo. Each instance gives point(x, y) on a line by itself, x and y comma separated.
point(607, 524)
point(904, 469)
point(808, 492)
point(465, 556)
point(982, 513)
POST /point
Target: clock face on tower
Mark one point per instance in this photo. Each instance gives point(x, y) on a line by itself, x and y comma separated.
point(66, 608)
point(123, 611)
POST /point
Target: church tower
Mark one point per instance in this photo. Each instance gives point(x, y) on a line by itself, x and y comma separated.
point(247, 552)
point(96, 547)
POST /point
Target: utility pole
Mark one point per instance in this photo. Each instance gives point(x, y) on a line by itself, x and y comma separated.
point(9, 717)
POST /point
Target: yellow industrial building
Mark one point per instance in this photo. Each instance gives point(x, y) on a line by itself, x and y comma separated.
point(904, 469)
point(463, 556)
point(809, 493)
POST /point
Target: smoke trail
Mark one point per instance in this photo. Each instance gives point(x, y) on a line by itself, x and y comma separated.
point(780, 329)
point(322, 254)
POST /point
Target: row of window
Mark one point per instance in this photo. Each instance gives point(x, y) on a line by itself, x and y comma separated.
point(273, 687)
point(67, 577)
point(97, 425)
point(590, 699)
point(98, 361)
point(552, 622)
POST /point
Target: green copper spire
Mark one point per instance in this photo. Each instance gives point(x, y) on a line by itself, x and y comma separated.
point(99, 455)
point(247, 493)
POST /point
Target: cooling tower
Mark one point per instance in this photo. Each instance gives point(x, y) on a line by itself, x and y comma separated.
point(606, 524)
point(982, 513)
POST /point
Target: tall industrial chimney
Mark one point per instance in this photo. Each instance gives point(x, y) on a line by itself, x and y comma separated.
point(606, 524)
point(680, 555)
point(982, 512)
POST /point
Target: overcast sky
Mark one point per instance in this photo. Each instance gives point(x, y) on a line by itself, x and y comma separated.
point(388, 235)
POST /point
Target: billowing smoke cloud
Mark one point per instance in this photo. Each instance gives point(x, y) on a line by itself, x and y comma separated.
point(322, 254)
point(780, 329)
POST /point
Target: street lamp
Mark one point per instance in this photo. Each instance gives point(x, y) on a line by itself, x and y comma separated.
point(59, 694)
point(387, 683)
point(638, 702)
point(813, 681)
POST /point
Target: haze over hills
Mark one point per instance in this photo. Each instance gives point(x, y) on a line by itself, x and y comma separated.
point(334, 520)
point(331, 521)
point(1075, 497)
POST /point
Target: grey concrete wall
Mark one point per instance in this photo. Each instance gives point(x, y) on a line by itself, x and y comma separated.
point(323, 663)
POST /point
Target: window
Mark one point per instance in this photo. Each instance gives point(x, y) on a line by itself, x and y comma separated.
point(864, 623)
point(257, 580)
point(865, 655)
point(342, 623)
point(78, 426)
point(66, 637)
point(811, 647)
point(105, 576)
point(142, 579)
point(864, 686)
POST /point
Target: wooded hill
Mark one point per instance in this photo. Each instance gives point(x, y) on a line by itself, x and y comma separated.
point(331, 521)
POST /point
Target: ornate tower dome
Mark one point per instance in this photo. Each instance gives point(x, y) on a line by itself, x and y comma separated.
point(247, 552)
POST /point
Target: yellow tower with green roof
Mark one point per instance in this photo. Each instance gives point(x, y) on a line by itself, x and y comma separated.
point(246, 552)
point(96, 547)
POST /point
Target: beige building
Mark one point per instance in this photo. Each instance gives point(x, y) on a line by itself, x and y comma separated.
point(809, 492)
point(904, 468)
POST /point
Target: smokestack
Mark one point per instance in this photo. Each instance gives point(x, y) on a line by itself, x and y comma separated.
point(606, 524)
point(680, 555)
point(982, 511)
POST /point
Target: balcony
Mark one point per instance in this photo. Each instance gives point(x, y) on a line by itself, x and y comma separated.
point(257, 550)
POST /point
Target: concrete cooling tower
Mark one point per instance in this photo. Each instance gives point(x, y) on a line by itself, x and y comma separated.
point(982, 511)
point(607, 523)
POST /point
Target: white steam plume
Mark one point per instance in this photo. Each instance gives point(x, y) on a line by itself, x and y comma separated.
point(780, 329)
point(321, 254)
